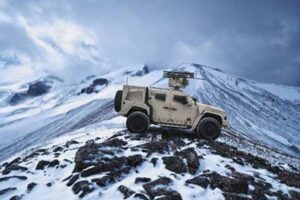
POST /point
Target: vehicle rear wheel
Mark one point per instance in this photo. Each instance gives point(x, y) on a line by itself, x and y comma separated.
point(209, 128)
point(118, 100)
point(137, 122)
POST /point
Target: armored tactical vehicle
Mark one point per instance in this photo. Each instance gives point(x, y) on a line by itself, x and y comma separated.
point(168, 107)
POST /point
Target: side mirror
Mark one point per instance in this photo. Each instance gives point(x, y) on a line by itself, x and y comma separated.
point(195, 99)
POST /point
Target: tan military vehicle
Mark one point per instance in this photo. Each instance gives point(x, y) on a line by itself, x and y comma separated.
point(168, 107)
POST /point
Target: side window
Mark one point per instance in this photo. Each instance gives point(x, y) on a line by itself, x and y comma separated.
point(180, 99)
point(160, 96)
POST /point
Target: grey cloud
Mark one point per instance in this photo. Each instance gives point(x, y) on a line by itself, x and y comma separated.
point(255, 39)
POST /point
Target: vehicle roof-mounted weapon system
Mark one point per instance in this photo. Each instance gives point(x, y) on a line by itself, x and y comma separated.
point(178, 80)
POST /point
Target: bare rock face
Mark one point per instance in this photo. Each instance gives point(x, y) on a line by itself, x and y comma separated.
point(125, 191)
point(175, 164)
point(191, 158)
point(199, 180)
point(159, 187)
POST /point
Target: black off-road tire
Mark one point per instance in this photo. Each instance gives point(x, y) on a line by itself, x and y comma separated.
point(209, 128)
point(118, 100)
point(137, 122)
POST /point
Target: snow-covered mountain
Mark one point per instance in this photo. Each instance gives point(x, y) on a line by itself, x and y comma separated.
point(37, 117)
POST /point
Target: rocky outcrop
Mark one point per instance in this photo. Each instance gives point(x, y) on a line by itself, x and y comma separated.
point(35, 89)
point(92, 88)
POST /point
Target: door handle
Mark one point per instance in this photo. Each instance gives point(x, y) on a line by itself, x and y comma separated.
point(169, 108)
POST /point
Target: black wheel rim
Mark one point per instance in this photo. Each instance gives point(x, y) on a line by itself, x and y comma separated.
point(137, 124)
point(210, 130)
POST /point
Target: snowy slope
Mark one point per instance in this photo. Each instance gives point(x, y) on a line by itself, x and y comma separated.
point(266, 113)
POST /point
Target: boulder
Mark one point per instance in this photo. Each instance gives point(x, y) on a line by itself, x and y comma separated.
point(233, 196)
point(228, 184)
point(199, 180)
point(110, 165)
point(73, 179)
point(53, 163)
point(142, 180)
point(140, 196)
point(42, 164)
point(93, 154)
point(134, 160)
point(104, 181)
point(172, 196)
point(158, 187)
point(82, 186)
point(175, 164)
point(30, 186)
point(125, 191)
point(191, 157)
point(13, 167)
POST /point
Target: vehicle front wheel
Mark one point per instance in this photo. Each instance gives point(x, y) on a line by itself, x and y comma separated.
point(137, 122)
point(209, 128)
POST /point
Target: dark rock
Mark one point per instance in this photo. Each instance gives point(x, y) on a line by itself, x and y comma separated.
point(54, 163)
point(158, 187)
point(233, 196)
point(67, 178)
point(228, 184)
point(242, 176)
point(191, 157)
point(114, 163)
point(134, 160)
point(117, 173)
point(154, 161)
point(140, 196)
point(16, 197)
point(100, 81)
point(71, 142)
point(10, 177)
point(30, 186)
point(37, 88)
point(42, 164)
point(155, 146)
point(13, 167)
point(6, 190)
point(294, 194)
point(57, 149)
point(82, 186)
point(142, 180)
point(105, 180)
point(175, 164)
point(289, 178)
point(49, 184)
point(199, 180)
point(258, 194)
point(72, 180)
point(91, 154)
point(172, 196)
point(17, 98)
point(125, 191)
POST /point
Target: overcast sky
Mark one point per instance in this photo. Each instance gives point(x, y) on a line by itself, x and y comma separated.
point(259, 40)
